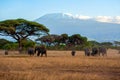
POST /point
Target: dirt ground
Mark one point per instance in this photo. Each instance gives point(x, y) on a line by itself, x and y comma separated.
point(60, 65)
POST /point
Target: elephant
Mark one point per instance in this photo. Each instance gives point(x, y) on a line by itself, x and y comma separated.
point(87, 51)
point(103, 51)
point(41, 50)
point(31, 51)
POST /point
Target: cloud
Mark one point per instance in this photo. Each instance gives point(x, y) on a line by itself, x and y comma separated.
point(117, 18)
point(106, 19)
point(78, 16)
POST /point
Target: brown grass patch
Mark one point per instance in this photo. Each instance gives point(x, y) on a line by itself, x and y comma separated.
point(60, 65)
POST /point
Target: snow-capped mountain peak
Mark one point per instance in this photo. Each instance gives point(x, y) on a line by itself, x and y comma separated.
point(59, 23)
point(57, 16)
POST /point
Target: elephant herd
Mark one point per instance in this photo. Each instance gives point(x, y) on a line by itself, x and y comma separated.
point(95, 51)
point(40, 50)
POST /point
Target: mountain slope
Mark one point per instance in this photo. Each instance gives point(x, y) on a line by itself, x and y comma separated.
point(59, 23)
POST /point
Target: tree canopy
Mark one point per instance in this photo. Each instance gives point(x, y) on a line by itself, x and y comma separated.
point(20, 29)
point(75, 40)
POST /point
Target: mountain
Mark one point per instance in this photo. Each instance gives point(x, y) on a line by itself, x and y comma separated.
point(60, 23)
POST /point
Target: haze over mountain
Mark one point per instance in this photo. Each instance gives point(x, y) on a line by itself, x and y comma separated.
point(60, 23)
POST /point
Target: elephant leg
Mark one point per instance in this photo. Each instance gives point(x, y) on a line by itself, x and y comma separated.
point(41, 54)
point(46, 54)
point(38, 53)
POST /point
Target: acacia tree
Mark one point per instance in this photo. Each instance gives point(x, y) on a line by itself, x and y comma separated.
point(20, 29)
point(46, 40)
point(117, 43)
point(50, 39)
point(77, 39)
point(64, 38)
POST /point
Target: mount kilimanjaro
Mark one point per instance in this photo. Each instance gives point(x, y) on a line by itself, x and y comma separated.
point(60, 23)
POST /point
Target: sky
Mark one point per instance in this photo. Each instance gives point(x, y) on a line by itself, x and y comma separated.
point(33, 9)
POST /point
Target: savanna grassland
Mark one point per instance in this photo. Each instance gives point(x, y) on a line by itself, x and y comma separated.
point(60, 65)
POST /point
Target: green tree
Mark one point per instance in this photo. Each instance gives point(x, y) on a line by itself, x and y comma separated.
point(106, 44)
point(77, 39)
point(3, 42)
point(64, 41)
point(45, 40)
point(49, 39)
point(94, 43)
point(11, 46)
point(28, 43)
point(117, 43)
point(64, 38)
point(20, 29)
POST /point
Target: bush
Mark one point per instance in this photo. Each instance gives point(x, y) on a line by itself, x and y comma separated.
point(11, 46)
point(27, 44)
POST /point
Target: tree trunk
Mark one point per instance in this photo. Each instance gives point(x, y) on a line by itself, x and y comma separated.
point(20, 46)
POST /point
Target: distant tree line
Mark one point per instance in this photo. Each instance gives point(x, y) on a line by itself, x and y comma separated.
point(63, 41)
point(21, 30)
point(56, 44)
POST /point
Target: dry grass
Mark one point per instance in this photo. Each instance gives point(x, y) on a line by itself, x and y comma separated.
point(60, 65)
